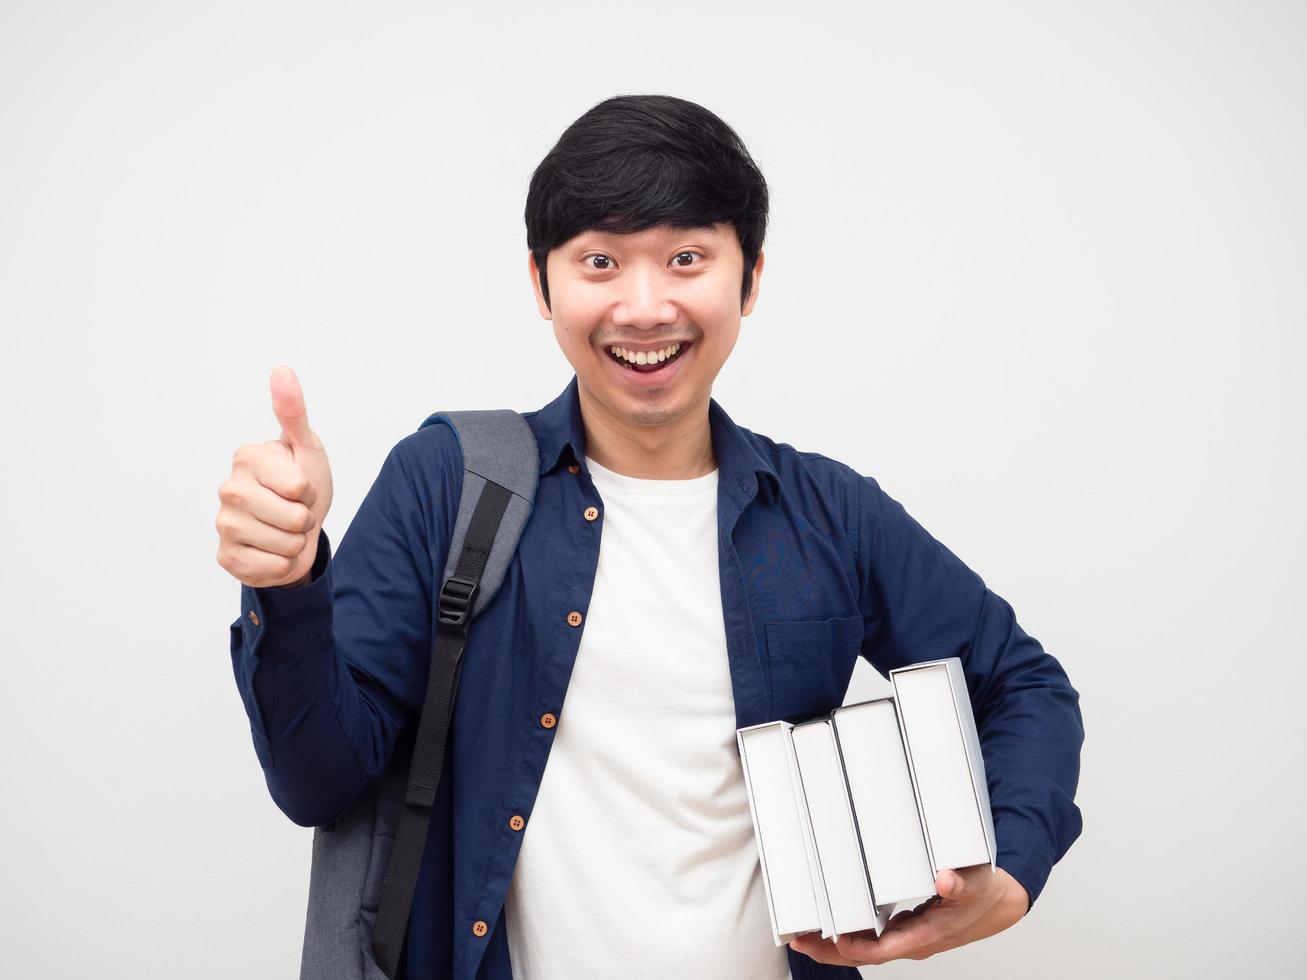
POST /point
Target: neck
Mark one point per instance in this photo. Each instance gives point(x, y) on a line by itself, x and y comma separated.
point(679, 449)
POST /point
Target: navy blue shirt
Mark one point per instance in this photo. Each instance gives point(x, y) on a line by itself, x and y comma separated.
point(818, 565)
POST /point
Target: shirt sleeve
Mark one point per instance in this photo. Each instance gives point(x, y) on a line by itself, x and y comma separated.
point(332, 672)
point(921, 603)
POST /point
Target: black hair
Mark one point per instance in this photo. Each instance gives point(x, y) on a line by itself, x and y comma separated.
point(634, 161)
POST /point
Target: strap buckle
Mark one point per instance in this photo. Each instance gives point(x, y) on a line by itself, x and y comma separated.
point(456, 597)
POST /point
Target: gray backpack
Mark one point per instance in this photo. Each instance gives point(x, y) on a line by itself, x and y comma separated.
point(365, 862)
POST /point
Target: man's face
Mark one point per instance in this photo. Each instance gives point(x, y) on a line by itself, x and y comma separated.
point(666, 296)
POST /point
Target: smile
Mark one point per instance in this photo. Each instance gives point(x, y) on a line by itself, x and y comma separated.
point(647, 362)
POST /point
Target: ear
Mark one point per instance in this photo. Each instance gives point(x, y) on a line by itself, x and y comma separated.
point(535, 285)
point(747, 308)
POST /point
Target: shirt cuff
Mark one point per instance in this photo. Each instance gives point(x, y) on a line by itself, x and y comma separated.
point(1024, 853)
point(290, 617)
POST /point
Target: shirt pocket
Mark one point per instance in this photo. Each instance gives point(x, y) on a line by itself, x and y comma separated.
point(809, 663)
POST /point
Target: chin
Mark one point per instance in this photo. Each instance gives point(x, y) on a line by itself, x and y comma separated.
point(653, 415)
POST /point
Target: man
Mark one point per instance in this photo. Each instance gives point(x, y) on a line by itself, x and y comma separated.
point(679, 577)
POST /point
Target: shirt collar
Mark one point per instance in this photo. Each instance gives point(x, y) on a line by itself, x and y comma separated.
point(560, 436)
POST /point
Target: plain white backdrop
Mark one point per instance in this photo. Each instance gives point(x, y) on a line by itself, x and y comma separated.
point(1037, 267)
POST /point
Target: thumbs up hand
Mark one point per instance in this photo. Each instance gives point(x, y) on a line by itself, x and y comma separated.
point(276, 498)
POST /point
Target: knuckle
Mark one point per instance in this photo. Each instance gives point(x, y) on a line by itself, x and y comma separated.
point(269, 568)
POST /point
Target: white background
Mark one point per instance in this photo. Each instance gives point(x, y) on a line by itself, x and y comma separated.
point(1038, 267)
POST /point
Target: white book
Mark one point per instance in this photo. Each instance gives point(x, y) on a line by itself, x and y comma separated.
point(889, 822)
point(842, 873)
point(780, 823)
point(948, 768)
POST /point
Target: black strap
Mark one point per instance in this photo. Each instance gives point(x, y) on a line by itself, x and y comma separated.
point(454, 612)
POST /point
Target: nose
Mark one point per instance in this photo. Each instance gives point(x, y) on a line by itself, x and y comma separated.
point(644, 301)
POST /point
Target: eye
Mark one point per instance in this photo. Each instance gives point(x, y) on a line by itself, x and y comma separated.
point(682, 255)
point(607, 262)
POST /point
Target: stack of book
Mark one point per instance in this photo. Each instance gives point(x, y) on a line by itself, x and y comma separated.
point(855, 812)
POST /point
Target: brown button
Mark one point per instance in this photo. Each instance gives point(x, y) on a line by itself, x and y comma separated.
point(549, 719)
point(479, 927)
point(254, 618)
point(574, 618)
point(591, 513)
point(517, 823)
point(574, 468)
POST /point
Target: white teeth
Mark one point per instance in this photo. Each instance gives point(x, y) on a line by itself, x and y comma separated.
point(646, 357)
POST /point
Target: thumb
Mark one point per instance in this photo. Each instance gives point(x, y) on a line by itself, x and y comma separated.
point(950, 884)
point(288, 406)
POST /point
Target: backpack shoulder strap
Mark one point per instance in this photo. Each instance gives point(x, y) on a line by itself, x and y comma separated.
point(500, 470)
point(500, 449)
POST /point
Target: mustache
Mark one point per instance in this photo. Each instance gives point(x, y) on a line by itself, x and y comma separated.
point(678, 337)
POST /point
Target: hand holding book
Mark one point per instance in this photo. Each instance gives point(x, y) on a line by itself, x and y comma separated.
point(873, 808)
point(971, 903)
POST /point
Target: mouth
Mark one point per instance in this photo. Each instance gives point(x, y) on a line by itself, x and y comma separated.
point(648, 361)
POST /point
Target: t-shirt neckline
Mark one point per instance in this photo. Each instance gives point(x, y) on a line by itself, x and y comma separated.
point(631, 486)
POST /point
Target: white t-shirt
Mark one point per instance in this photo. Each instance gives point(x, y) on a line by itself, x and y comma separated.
point(639, 858)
